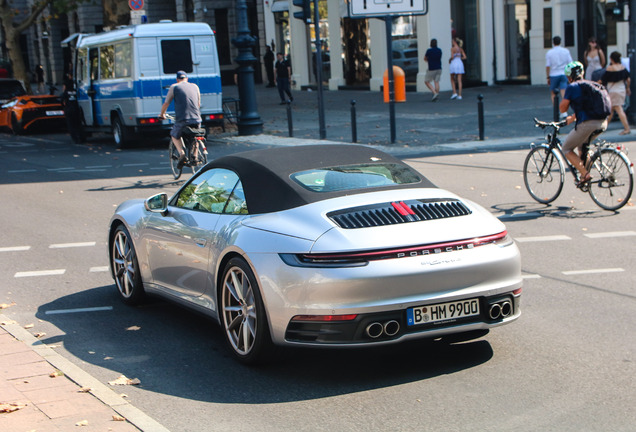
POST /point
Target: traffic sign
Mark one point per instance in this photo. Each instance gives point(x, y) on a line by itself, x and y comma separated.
point(376, 8)
point(136, 4)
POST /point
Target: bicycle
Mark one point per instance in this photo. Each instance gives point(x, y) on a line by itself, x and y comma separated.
point(191, 136)
point(612, 172)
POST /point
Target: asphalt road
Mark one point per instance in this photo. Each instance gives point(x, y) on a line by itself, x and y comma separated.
point(568, 364)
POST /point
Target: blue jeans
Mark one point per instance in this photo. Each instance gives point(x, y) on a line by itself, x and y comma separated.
point(283, 87)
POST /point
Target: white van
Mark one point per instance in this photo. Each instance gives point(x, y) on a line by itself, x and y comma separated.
point(122, 76)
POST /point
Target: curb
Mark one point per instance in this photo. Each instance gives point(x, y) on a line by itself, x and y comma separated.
point(133, 415)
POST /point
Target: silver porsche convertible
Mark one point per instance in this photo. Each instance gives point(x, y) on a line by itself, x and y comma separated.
point(325, 245)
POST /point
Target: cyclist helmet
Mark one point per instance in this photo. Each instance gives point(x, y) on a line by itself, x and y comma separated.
point(574, 69)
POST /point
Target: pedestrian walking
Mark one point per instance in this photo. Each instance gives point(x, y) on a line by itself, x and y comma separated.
point(457, 68)
point(39, 76)
point(433, 57)
point(593, 57)
point(268, 61)
point(617, 81)
point(555, 61)
point(283, 73)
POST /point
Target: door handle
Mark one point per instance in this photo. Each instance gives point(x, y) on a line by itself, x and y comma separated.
point(201, 242)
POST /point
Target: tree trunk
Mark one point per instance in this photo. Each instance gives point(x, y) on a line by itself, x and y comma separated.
point(116, 13)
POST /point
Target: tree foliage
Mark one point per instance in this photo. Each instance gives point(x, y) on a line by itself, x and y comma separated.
point(15, 21)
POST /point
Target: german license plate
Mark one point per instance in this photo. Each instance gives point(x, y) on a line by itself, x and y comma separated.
point(54, 113)
point(431, 314)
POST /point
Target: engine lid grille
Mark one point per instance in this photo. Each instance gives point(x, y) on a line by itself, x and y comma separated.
point(398, 212)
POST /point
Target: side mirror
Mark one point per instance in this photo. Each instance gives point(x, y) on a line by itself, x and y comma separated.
point(157, 203)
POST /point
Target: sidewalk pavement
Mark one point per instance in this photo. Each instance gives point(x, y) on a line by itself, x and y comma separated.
point(422, 126)
point(42, 391)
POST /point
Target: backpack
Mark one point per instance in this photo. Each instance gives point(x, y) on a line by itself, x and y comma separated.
point(596, 101)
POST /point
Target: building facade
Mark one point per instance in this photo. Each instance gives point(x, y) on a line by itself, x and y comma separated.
point(505, 40)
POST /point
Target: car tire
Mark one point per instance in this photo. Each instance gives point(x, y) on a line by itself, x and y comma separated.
point(125, 267)
point(121, 133)
point(242, 314)
point(16, 125)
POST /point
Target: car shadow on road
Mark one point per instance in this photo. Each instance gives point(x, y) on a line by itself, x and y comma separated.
point(530, 210)
point(177, 352)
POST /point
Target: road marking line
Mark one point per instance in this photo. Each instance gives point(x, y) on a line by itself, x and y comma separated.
point(592, 271)
point(611, 234)
point(159, 168)
point(40, 273)
point(99, 269)
point(135, 164)
point(21, 171)
point(70, 245)
point(78, 310)
point(98, 166)
point(541, 239)
point(87, 170)
point(14, 248)
point(530, 276)
point(60, 169)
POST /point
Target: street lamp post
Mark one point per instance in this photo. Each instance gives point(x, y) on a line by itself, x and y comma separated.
point(249, 121)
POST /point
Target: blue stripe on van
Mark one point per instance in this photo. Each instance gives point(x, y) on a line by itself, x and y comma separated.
point(147, 88)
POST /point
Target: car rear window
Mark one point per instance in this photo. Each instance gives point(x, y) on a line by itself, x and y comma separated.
point(9, 89)
point(351, 177)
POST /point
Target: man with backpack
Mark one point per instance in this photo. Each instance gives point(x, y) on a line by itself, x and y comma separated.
point(591, 104)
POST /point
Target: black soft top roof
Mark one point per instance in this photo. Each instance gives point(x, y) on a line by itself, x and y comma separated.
point(266, 173)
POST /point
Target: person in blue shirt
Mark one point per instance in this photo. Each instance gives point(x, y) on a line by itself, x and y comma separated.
point(585, 125)
point(433, 57)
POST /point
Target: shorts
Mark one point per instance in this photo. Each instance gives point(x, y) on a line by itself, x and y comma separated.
point(177, 128)
point(558, 82)
point(433, 75)
point(580, 134)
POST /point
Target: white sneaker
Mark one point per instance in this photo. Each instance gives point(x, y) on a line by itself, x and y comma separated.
point(454, 96)
point(435, 96)
point(459, 98)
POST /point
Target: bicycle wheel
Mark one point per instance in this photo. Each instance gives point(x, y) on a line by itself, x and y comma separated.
point(201, 160)
point(173, 154)
point(544, 174)
point(612, 179)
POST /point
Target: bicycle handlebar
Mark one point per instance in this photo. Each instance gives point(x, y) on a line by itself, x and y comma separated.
point(168, 116)
point(556, 125)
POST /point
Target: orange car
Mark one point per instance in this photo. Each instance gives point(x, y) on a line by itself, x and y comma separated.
point(25, 112)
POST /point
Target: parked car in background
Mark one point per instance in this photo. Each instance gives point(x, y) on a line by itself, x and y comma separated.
point(405, 56)
point(29, 111)
point(324, 246)
point(10, 88)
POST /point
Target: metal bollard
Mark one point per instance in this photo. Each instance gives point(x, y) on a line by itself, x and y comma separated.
point(290, 123)
point(556, 106)
point(354, 126)
point(480, 116)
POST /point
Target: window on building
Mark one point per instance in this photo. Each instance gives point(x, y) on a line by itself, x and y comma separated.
point(611, 18)
point(123, 60)
point(222, 36)
point(547, 27)
point(176, 55)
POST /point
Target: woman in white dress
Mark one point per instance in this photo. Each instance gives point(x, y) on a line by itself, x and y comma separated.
point(593, 57)
point(457, 68)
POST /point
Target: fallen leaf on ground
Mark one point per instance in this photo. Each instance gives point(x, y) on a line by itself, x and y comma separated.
point(82, 423)
point(84, 390)
point(108, 358)
point(39, 334)
point(57, 373)
point(8, 322)
point(124, 380)
point(118, 418)
point(11, 407)
point(133, 328)
point(123, 395)
point(28, 326)
point(6, 305)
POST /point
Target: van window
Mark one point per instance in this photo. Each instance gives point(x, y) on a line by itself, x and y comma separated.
point(81, 64)
point(123, 60)
point(176, 55)
point(107, 62)
point(93, 58)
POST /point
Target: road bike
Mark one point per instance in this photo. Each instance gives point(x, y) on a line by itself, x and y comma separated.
point(612, 172)
point(194, 147)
